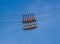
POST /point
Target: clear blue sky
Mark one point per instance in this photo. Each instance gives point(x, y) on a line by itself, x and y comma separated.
point(47, 13)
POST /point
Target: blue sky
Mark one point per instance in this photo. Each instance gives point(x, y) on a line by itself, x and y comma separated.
point(47, 13)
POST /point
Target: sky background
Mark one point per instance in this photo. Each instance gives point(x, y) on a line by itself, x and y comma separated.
point(47, 13)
